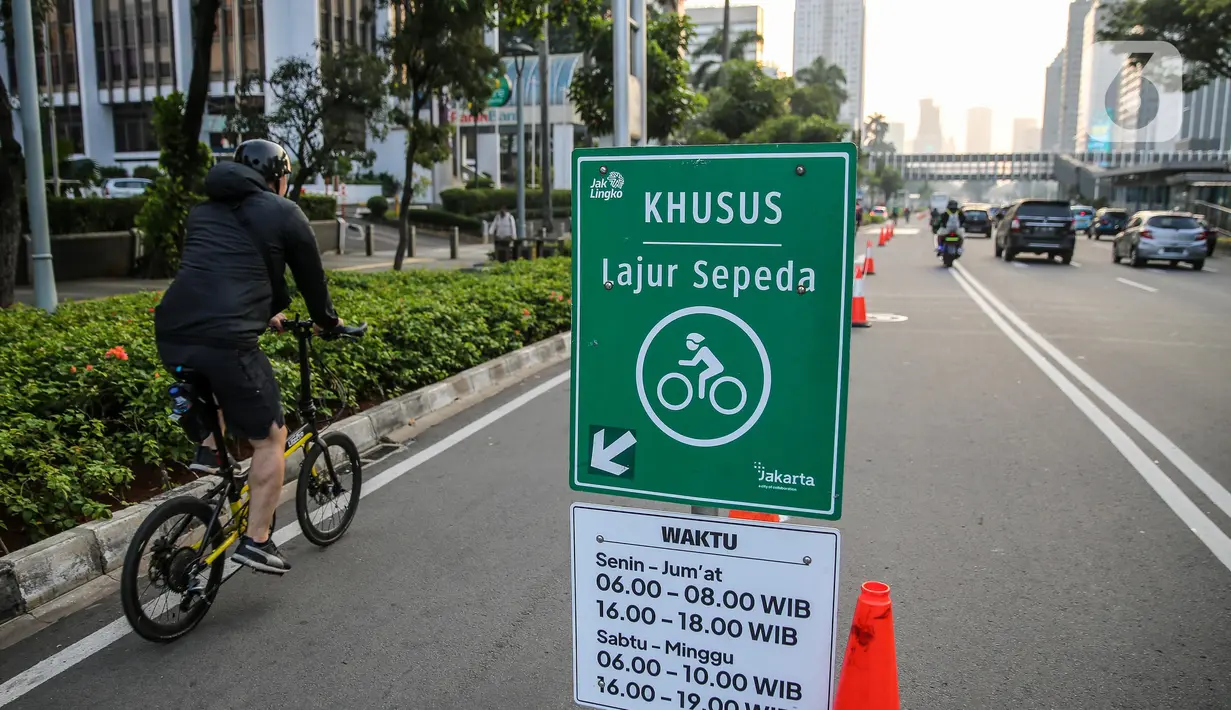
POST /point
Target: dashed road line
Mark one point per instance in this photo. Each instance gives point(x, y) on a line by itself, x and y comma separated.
point(1134, 284)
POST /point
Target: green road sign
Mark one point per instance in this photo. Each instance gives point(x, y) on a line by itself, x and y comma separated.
point(500, 91)
point(711, 307)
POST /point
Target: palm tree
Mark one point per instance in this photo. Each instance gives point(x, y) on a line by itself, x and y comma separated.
point(726, 30)
point(821, 72)
point(705, 76)
point(876, 128)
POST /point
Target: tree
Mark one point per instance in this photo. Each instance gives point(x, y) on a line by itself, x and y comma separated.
point(204, 27)
point(1199, 29)
point(886, 180)
point(814, 100)
point(321, 112)
point(705, 75)
point(726, 30)
point(670, 101)
point(744, 99)
point(12, 161)
point(436, 48)
point(822, 73)
point(796, 129)
point(877, 129)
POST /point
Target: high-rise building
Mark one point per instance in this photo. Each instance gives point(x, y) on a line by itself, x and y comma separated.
point(110, 58)
point(708, 22)
point(929, 138)
point(979, 130)
point(1206, 119)
point(1098, 96)
point(1051, 104)
point(1070, 81)
point(1026, 136)
point(897, 136)
point(834, 29)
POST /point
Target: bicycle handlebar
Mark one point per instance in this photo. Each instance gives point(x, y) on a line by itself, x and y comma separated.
point(307, 328)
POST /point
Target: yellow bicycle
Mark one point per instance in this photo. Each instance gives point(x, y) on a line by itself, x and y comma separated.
point(179, 552)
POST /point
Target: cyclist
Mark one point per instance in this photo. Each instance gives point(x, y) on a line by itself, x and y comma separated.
point(713, 367)
point(230, 287)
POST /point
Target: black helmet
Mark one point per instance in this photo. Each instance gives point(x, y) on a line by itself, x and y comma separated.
point(952, 204)
point(265, 157)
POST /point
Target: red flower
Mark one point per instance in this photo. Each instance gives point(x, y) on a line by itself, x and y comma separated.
point(151, 310)
point(156, 375)
point(559, 297)
point(89, 367)
point(73, 369)
point(117, 352)
point(525, 312)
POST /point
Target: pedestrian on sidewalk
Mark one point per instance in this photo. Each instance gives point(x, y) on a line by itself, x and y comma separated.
point(503, 226)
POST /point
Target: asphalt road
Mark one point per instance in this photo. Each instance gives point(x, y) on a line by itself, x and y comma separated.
point(1046, 548)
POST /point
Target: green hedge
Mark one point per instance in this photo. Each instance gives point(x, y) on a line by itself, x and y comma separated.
point(473, 202)
point(67, 215)
point(318, 207)
point(76, 413)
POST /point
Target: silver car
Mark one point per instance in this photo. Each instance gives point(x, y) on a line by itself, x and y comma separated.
point(125, 187)
point(1161, 236)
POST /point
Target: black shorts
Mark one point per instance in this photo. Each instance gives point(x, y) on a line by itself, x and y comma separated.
point(243, 383)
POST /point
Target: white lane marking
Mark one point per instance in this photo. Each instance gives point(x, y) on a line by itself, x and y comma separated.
point(1134, 284)
point(1211, 269)
point(49, 668)
point(1193, 471)
point(1020, 265)
point(1205, 529)
point(1075, 263)
point(905, 230)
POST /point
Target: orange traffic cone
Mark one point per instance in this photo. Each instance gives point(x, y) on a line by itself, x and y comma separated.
point(869, 264)
point(884, 237)
point(859, 310)
point(869, 679)
point(750, 515)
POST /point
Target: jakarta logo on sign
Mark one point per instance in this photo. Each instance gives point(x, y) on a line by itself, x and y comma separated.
point(711, 295)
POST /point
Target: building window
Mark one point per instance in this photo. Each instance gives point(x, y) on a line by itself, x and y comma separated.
point(134, 128)
point(223, 51)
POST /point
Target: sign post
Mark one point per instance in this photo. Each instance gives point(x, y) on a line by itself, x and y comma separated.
point(701, 612)
point(711, 296)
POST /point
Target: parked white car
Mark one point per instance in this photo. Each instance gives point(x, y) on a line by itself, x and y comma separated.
point(125, 187)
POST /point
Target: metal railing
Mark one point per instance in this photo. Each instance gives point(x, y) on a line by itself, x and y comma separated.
point(1216, 216)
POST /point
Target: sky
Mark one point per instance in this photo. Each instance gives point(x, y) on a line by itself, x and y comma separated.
point(1002, 51)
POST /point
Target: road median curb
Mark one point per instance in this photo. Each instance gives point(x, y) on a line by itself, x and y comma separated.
point(52, 568)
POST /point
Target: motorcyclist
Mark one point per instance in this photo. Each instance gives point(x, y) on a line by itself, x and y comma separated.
point(953, 218)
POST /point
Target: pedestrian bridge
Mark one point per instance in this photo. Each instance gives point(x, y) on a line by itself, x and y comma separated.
point(942, 167)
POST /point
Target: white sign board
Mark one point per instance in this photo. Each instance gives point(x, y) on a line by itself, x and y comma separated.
point(701, 613)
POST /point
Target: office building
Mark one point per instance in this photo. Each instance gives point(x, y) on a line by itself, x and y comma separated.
point(897, 136)
point(929, 138)
point(110, 58)
point(708, 22)
point(1026, 135)
point(1098, 95)
point(1070, 80)
point(1050, 138)
point(1206, 118)
point(979, 130)
point(834, 29)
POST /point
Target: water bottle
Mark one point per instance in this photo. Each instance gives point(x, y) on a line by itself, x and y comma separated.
point(180, 403)
point(184, 414)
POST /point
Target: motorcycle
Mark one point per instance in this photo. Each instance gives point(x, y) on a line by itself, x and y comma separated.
point(950, 247)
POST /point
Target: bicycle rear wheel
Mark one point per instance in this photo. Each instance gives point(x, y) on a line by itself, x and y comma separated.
point(336, 498)
point(162, 559)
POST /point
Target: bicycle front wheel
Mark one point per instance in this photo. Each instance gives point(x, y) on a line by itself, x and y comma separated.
point(165, 587)
point(325, 500)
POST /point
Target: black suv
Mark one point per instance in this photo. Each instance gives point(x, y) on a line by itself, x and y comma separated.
point(978, 219)
point(1036, 227)
point(1109, 220)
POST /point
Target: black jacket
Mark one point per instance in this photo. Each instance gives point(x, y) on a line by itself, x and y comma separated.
point(231, 280)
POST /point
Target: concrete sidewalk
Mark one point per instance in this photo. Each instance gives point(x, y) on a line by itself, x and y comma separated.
point(431, 253)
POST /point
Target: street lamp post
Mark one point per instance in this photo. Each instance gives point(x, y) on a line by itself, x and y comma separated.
point(520, 51)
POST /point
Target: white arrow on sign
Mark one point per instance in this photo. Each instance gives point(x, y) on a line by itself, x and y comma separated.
point(601, 455)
